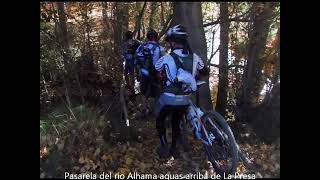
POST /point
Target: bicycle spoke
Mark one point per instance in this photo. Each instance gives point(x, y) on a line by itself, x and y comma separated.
point(220, 151)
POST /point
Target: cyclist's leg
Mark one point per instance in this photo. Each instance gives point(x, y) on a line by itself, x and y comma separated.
point(160, 125)
point(126, 74)
point(177, 116)
point(142, 85)
point(131, 79)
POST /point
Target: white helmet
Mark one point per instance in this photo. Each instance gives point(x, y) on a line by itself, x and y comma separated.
point(177, 32)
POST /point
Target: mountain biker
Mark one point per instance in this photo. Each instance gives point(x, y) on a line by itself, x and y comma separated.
point(147, 55)
point(129, 47)
point(174, 100)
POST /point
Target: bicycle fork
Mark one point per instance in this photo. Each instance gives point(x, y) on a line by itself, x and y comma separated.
point(198, 125)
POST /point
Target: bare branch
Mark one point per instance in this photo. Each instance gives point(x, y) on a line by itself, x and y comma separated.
point(214, 53)
point(214, 65)
point(139, 18)
point(237, 19)
point(236, 65)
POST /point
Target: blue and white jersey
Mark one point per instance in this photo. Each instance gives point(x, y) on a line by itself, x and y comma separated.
point(168, 63)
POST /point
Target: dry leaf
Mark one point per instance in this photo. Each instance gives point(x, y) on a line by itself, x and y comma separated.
point(124, 170)
point(42, 175)
point(60, 146)
point(258, 174)
point(44, 152)
point(142, 166)
point(129, 161)
point(97, 152)
point(82, 160)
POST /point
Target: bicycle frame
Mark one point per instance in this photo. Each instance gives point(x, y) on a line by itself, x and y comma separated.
point(208, 140)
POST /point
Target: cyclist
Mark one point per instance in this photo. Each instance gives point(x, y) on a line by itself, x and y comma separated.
point(174, 98)
point(129, 47)
point(147, 55)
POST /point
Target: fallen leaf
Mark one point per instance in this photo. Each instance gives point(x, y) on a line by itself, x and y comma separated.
point(42, 175)
point(123, 170)
point(97, 152)
point(83, 169)
point(96, 130)
point(44, 152)
point(81, 160)
point(107, 157)
point(264, 167)
point(60, 146)
point(267, 176)
point(142, 166)
point(258, 161)
point(258, 174)
point(50, 142)
point(128, 161)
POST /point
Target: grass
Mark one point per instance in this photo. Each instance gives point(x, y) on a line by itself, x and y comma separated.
point(57, 120)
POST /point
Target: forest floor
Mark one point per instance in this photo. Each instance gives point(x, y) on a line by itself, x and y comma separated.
point(82, 149)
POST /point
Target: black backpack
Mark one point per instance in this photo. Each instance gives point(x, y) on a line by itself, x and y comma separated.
point(186, 63)
point(148, 56)
point(132, 47)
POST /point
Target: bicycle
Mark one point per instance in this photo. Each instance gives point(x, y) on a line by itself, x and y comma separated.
point(216, 135)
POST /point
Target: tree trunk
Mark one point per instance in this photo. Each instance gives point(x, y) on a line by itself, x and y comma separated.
point(88, 32)
point(137, 31)
point(64, 41)
point(256, 48)
point(117, 28)
point(121, 24)
point(276, 74)
point(125, 11)
point(152, 15)
point(189, 14)
point(265, 118)
point(162, 14)
point(223, 60)
point(63, 34)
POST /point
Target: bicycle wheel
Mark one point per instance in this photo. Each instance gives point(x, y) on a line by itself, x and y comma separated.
point(223, 153)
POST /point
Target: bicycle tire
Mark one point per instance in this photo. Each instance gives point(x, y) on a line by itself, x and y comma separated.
point(215, 116)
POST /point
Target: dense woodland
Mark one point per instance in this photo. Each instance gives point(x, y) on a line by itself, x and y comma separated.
point(82, 122)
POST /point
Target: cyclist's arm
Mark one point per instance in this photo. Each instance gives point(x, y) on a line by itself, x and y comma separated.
point(202, 69)
point(159, 64)
point(156, 55)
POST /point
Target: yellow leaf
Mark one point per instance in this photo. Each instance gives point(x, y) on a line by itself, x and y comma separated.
point(142, 166)
point(124, 170)
point(44, 152)
point(129, 161)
